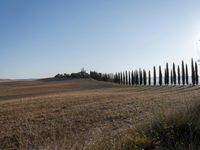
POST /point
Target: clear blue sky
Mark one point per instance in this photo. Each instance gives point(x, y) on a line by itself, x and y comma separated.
point(39, 38)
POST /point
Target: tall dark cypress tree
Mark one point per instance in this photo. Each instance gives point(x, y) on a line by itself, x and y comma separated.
point(126, 78)
point(149, 78)
point(193, 72)
point(136, 77)
point(115, 78)
point(160, 75)
point(132, 77)
point(179, 76)
point(165, 77)
point(167, 74)
point(196, 74)
point(129, 78)
point(140, 73)
point(154, 75)
point(121, 78)
point(145, 77)
point(186, 74)
point(183, 73)
point(105, 77)
point(174, 74)
point(172, 79)
point(118, 77)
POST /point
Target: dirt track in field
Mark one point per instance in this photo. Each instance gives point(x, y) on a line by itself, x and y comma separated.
point(79, 113)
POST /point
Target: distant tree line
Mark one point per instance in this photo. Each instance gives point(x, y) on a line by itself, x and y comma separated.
point(176, 76)
point(102, 76)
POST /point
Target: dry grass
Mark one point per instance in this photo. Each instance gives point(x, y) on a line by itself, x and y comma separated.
point(179, 130)
point(80, 114)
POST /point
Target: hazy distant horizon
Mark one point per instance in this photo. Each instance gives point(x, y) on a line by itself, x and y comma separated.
point(42, 38)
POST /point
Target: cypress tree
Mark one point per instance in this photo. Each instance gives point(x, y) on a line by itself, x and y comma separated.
point(193, 72)
point(186, 74)
point(196, 74)
point(149, 78)
point(132, 77)
point(126, 78)
point(121, 81)
point(167, 74)
point(136, 77)
point(174, 74)
point(106, 77)
point(115, 78)
point(183, 73)
point(160, 75)
point(179, 76)
point(140, 73)
point(165, 77)
point(129, 78)
point(145, 77)
point(171, 77)
point(100, 76)
point(118, 77)
point(154, 75)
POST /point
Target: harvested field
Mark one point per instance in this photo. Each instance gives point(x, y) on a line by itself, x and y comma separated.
point(78, 114)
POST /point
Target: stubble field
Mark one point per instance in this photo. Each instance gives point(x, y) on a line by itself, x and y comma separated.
point(81, 114)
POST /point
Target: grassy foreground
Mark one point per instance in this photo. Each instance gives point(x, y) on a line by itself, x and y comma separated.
point(180, 131)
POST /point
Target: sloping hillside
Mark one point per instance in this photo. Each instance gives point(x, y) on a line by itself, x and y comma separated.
point(22, 89)
point(79, 113)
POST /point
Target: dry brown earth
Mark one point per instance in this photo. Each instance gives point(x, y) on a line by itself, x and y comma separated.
point(78, 114)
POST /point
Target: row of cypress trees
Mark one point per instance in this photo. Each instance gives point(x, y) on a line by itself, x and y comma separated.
point(171, 77)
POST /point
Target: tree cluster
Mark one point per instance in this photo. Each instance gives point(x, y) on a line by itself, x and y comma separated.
point(104, 77)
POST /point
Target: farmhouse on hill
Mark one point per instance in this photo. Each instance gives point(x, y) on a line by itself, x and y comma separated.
point(81, 74)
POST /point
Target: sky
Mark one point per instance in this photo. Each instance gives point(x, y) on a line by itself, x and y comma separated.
point(40, 38)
